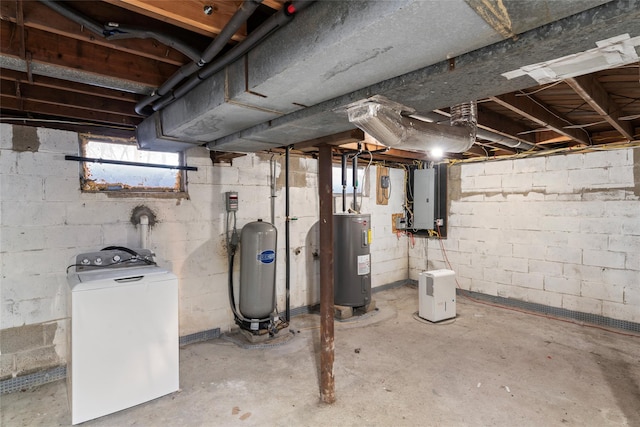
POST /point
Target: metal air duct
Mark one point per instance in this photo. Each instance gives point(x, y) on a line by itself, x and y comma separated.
point(295, 84)
point(390, 124)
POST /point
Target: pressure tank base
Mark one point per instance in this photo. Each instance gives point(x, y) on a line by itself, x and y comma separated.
point(245, 339)
point(252, 338)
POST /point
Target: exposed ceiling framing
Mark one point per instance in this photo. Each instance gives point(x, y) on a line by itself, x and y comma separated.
point(56, 73)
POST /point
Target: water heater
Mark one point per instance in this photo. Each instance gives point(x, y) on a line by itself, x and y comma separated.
point(258, 270)
point(352, 259)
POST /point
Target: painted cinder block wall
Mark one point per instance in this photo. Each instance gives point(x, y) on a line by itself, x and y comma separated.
point(562, 231)
point(45, 220)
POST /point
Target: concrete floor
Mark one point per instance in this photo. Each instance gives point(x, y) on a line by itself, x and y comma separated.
point(489, 367)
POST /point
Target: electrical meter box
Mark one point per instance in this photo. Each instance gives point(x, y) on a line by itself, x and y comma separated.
point(437, 298)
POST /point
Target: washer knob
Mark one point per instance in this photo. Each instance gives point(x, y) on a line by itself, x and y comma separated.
point(97, 261)
point(86, 261)
point(116, 258)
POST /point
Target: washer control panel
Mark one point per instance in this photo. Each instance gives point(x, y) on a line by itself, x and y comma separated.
point(114, 258)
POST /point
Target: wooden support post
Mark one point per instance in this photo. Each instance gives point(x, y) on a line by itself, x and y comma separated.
point(327, 346)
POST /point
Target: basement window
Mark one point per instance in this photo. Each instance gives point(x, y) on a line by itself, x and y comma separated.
point(336, 180)
point(118, 176)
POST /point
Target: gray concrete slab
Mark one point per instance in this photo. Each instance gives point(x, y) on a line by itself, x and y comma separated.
point(489, 367)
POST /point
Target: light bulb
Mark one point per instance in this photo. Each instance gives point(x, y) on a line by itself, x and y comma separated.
point(437, 153)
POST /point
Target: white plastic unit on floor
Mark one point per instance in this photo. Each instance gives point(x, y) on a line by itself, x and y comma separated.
point(124, 339)
point(437, 295)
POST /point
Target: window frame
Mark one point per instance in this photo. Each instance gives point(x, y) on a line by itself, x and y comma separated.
point(362, 189)
point(88, 185)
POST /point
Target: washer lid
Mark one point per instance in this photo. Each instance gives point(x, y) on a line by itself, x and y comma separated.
point(114, 277)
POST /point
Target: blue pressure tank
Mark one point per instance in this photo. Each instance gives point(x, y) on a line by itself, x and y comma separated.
point(258, 270)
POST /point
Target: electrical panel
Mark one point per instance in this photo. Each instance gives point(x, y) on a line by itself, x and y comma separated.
point(425, 209)
point(231, 198)
point(424, 199)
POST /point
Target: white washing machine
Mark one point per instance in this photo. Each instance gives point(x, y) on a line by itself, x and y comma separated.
point(124, 332)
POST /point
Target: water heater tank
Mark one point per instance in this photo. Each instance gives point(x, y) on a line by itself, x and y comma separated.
point(352, 259)
point(258, 270)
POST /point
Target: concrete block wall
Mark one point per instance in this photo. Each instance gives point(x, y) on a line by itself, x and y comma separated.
point(45, 220)
point(563, 231)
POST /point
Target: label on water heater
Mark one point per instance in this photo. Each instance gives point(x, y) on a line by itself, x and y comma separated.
point(364, 264)
point(267, 257)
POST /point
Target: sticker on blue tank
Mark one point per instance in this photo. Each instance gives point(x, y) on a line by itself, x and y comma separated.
point(267, 257)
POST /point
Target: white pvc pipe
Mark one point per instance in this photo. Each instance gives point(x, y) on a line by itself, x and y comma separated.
point(144, 231)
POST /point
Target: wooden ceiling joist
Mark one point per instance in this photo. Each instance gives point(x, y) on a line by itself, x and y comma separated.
point(64, 98)
point(53, 83)
point(59, 71)
point(497, 123)
point(40, 17)
point(597, 97)
point(543, 115)
point(354, 135)
point(50, 109)
point(78, 55)
point(187, 14)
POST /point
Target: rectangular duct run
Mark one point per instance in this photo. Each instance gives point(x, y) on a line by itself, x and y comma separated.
point(296, 73)
point(354, 44)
